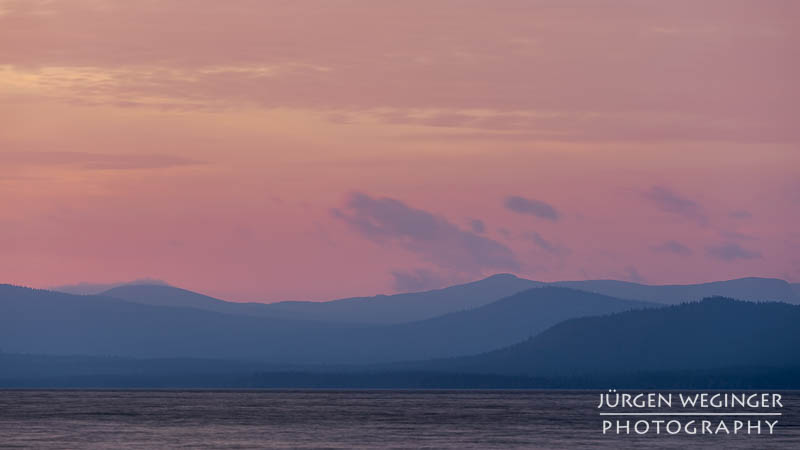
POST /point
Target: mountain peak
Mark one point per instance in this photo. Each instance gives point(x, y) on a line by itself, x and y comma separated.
point(502, 276)
point(85, 288)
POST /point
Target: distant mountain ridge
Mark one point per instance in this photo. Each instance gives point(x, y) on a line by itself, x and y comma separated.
point(161, 295)
point(379, 309)
point(44, 322)
point(506, 321)
point(416, 306)
point(714, 333)
point(97, 288)
point(752, 288)
point(156, 321)
point(714, 343)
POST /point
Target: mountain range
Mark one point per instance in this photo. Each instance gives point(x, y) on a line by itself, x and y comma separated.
point(379, 309)
point(501, 330)
point(752, 288)
point(415, 306)
point(714, 333)
point(45, 322)
point(714, 343)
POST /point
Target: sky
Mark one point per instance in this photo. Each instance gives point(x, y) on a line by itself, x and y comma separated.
point(287, 150)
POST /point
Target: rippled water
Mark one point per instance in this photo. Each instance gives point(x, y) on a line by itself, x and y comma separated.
point(339, 419)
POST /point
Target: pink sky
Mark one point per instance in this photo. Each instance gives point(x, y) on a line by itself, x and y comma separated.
point(271, 150)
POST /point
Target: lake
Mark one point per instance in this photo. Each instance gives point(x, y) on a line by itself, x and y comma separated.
point(342, 419)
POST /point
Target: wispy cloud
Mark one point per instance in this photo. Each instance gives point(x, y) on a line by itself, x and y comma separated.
point(95, 161)
point(544, 244)
point(672, 247)
point(671, 202)
point(390, 221)
point(740, 214)
point(477, 226)
point(538, 208)
point(346, 64)
point(731, 251)
point(737, 236)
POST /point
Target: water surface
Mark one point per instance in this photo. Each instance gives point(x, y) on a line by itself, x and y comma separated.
point(336, 419)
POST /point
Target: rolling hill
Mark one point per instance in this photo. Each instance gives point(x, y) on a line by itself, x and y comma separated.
point(379, 309)
point(44, 322)
point(715, 333)
point(498, 324)
point(416, 306)
point(754, 289)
